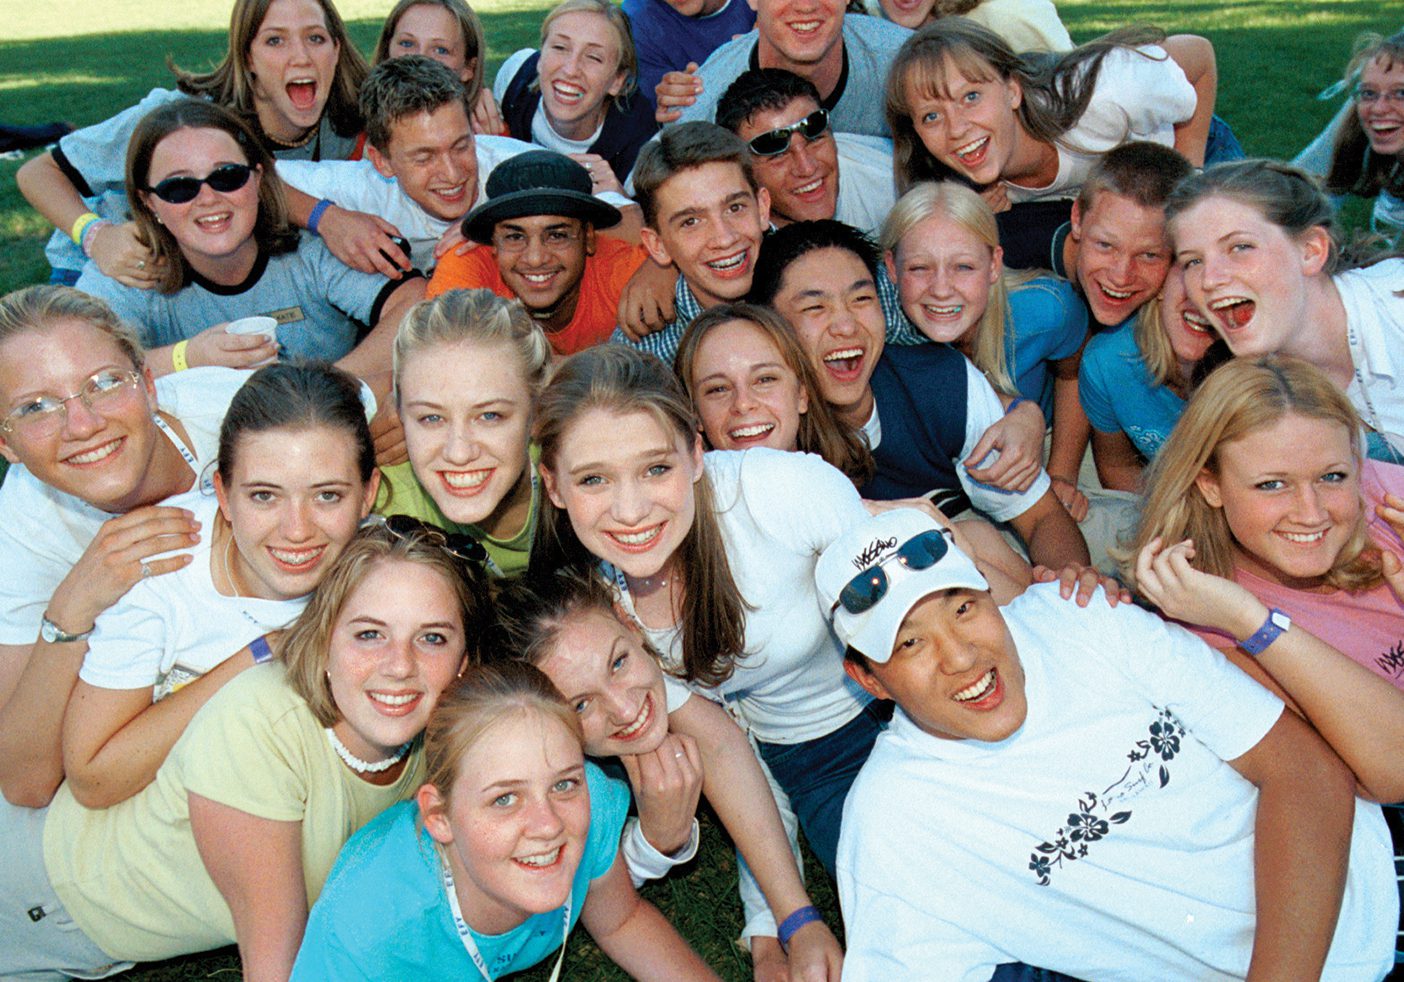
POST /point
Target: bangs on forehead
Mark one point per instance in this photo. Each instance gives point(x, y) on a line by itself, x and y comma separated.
point(932, 78)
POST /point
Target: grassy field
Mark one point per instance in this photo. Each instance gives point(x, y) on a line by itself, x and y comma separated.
point(1274, 56)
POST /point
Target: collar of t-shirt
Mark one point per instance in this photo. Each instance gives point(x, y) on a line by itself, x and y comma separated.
point(1055, 254)
point(219, 289)
point(544, 133)
point(826, 101)
point(871, 431)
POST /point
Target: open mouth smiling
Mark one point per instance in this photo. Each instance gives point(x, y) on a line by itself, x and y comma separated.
point(1233, 312)
point(88, 457)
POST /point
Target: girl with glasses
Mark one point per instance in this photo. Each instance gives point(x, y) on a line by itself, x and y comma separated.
point(469, 366)
point(673, 744)
point(578, 94)
point(1265, 526)
point(296, 475)
point(234, 838)
point(1256, 240)
point(512, 839)
point(206, 198)
point(94, 445)
point(289, 70)
point(1367, 158)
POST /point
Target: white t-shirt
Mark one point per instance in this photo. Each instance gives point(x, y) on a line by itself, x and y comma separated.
point(866, 190)
point(358, 186)
point(171, 629)
point(1374, 306)
point(1107, 838)
point(1140, 95)
point(777, 512)
point(43, 531)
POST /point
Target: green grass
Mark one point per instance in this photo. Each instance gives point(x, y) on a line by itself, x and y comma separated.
point(1274, 56)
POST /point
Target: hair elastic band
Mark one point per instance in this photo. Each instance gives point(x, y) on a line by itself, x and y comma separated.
point(318, 210)
point(178, 360)
point(804, 915)
point(261, 652)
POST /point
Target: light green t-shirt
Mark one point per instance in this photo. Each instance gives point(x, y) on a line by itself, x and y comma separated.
point(130, 875)
point(402, 494)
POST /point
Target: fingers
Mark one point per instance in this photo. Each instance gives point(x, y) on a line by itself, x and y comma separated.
point(453, 238)
point(675, 91)
point(1393, 571)
point(390, 448)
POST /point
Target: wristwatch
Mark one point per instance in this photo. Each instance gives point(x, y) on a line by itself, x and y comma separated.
point(1277, 622)
point(54, 634)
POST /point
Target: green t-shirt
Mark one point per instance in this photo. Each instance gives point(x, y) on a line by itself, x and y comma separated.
point(402, 494)
point(130, 875)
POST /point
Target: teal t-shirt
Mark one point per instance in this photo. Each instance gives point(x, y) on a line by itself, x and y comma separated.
point(383, 914)
point(1118, 395)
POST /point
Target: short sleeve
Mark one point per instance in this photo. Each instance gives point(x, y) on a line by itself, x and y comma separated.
point(356, 294)
point(1140, 92)
point(1093, 387)
point(609, 807)
point(128, 642)
point(38, 551)
point(799, 498)
point(95, 157)
point(1050, 309)
point(983, 410)
point(133, 306)
point(475, 268)
point(246, 748)
point(508, 71)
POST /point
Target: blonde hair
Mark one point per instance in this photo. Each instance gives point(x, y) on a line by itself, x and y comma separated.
point(474, 41)
point(307, 645)
point(957, 202)
point(628, 55)
point(486, 695)
point(1148, 331)
point(38, 308)
point(478, 316)
point(1239, 398)
point(820, 429)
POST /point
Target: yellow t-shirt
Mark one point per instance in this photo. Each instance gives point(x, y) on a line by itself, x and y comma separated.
point(402, 494)
point(130, 875)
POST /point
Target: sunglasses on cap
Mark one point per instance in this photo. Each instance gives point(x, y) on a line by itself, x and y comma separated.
point(225, 178)
point(775, 142)
point(863, 592)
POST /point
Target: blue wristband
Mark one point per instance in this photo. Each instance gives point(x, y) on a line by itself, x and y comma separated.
point(1018, 401)
point(261, 652)
point(318, 210)
point(788, 927)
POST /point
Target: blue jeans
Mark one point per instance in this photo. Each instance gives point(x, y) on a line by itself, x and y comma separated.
point(1222, 144)
point(817, 774)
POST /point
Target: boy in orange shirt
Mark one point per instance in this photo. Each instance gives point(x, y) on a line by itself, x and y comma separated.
point(538, 244)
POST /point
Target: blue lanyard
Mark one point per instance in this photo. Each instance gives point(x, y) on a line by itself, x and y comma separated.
point(466, 936)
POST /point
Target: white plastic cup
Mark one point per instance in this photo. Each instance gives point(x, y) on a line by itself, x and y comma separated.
point(254, 325)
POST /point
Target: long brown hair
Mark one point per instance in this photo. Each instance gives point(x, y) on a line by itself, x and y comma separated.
point(620, 379)
point(230, 83)
point(1239, 398)
point(273, 229)
point(820, 430)
point(1056, 90)
point(1355, 168)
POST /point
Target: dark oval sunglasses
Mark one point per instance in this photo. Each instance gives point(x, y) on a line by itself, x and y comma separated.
point(777, 141)
point(864, 591)
point(225, 178)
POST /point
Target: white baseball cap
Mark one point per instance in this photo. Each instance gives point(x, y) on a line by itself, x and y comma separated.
point(888, 564)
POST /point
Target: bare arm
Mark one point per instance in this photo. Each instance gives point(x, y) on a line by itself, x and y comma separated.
point(360, 240)
point(1306, 805)
point(1051, 534)
point(632, 932)
point(1195, 56)
point(1118, 463)
point(115, 249)
point(741, 796)
point(257, 865)
point(36, 681)
point(1070, 434)
point(371, 358)
point(114, 740)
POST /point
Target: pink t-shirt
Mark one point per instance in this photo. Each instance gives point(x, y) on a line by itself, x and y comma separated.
point(1368, 626)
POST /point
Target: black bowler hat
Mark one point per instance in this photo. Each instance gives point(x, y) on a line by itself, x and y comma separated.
point(538, 182)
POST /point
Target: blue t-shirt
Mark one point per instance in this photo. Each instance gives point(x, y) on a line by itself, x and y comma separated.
point(1047, 322)
point(383, 914)
point(319, 302)
point(1118, 395)
point(667, 40)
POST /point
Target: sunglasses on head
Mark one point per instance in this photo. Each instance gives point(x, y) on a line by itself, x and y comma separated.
point(225, 178)
point(775, 142)
point(863, 592)
point(461, 547)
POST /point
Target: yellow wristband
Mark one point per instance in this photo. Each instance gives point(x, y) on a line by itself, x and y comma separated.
point(178, 361)
point(80, 225)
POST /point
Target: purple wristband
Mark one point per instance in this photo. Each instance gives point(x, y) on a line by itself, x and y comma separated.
point(261, 652)
point(318, 210)
point(804, 915)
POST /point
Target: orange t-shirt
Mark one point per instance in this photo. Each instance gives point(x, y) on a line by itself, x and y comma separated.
point(596, 312)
